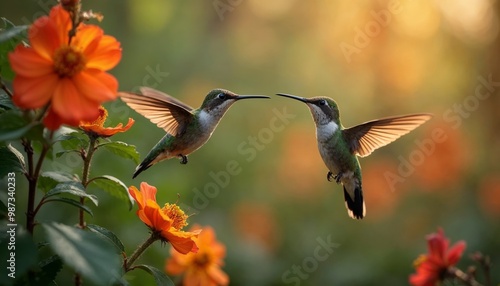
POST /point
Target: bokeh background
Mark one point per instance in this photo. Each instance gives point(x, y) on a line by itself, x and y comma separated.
point(375, 58)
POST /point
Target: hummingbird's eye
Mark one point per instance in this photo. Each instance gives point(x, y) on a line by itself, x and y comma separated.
point(221, 96)
point(322, 102)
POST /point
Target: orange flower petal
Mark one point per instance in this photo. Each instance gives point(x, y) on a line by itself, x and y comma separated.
point(174, 267)
point(181, 241)
point(148, 192)
point(33, 93)
point(217, 275)
point(27, 63)
point(62, 20)
point(71, 106)
point(196, 277)
point(134, 192)
point(97, 85)
point(87, 38)
point(52, 121)
point(159, 220)
point(106, 56)
point(44, 37)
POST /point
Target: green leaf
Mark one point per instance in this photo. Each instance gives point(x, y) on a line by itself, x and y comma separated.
point(105, 233)
point(86, 252)
point(72, 188)
point(123, 150)
point(49, 180)
point(6, 102)
point(72, 143)
point(12, 32)
point(12, 125)
point(10, 162)
point(48, 270)
point(73, 203)
point(114, 187)
point(10, 37)
point(160, 277)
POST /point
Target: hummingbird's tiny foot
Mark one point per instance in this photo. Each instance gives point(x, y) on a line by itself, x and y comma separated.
point(338, 177)
point(329, 176)
point(184, 159)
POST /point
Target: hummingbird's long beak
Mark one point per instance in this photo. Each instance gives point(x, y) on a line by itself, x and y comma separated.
point(303, 99)
point(238, 97)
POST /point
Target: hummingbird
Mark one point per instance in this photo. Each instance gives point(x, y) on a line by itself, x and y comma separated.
point(339, 147)
point(187, 129)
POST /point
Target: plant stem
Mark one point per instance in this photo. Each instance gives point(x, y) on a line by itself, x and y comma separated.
point(32, 177)
point(4, 88)
point(138, 252)
point(462, 276)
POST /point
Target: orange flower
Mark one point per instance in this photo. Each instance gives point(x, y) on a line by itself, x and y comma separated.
point(97, 129)
point(67, 73)
point(202, 268)
point(167, 222)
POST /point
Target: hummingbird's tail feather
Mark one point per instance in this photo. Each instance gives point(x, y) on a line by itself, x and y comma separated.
point(355, 208)
point(142, 167)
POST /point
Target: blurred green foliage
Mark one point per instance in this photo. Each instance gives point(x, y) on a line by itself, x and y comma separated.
point(376, 59)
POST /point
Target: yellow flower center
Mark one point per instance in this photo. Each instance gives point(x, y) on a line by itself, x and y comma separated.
point(68, 61)
point(421, 258)
point(176, 214)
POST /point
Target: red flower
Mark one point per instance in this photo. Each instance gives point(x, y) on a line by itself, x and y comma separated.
point(70, 75)
point(432, 267)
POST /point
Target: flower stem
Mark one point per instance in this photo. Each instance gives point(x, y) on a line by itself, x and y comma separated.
point(138, 252)
point(87, 159)
point(32, 177)
point(462, 276)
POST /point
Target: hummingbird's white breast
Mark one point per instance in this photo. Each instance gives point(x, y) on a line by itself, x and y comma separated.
point(326, 131)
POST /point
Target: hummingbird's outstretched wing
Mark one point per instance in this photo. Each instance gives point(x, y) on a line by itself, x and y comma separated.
point(371, 135)
point(163, 110)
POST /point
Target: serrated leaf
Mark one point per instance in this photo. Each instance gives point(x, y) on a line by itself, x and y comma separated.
point(160, 277)
point(105, 233)
point(9, 163)
point(114, 187)
point(86, 252)
point(49, 268)
point(49, 180)
point(73, 203)
point(123, 150)
point(72, 188)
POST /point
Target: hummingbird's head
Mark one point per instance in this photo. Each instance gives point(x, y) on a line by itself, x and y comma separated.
point(219, 100)
point(323, 109)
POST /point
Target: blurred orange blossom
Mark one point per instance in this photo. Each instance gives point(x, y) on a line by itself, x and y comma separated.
point(66, 72)
point(166, 222)
point(202, 268)
point(96, 128)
